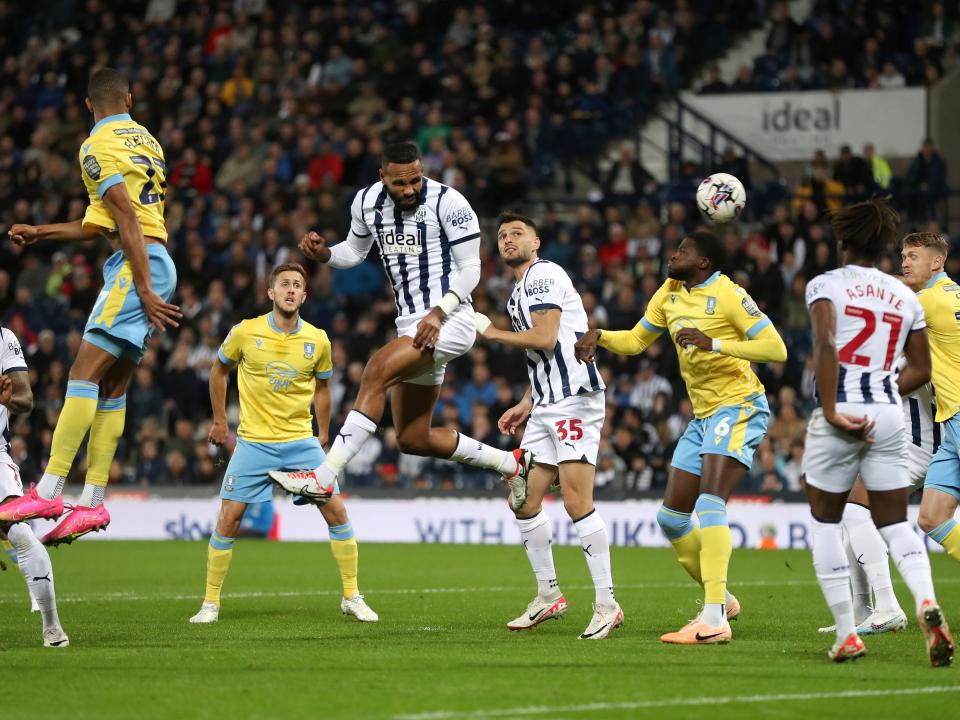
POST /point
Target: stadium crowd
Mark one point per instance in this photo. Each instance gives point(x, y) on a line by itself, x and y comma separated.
point(272, 116)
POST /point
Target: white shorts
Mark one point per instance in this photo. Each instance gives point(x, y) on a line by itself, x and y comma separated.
point(10, 483)
point(918, 462)
point(566, 431)
point(832, 459)
point(457, 335)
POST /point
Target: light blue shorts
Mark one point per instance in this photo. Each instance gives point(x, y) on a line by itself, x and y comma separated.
point(735, 431)
point(944, 471)
point(246, 478)
point(117, 322)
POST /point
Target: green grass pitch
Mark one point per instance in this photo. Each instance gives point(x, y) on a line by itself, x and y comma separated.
point(441, 651)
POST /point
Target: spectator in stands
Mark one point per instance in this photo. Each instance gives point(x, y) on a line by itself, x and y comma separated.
point(853, 173)
point(825, 193)
point(715, 84)
point(878, 166)
point(627, 180)
point(927, 181)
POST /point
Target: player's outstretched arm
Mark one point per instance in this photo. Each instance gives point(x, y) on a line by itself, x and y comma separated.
point(542, 336)
point(765, 346)
point(72, 231)
point(219, 373)
point(918, 369)
point(622, 342)
point(321, 405)
point(823, 318)
point(161, 314)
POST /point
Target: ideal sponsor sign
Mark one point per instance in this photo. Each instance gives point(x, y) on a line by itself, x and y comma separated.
point(794, 125)
point(631, 523)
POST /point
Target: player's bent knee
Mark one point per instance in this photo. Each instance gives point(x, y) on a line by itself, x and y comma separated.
point(674, 525)
point(929, 520)
point(414, 444)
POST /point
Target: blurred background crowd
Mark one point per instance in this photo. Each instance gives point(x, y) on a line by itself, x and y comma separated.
point(272, 114)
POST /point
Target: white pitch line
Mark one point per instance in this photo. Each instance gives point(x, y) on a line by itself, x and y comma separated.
point(8, 598)
point(672, 702)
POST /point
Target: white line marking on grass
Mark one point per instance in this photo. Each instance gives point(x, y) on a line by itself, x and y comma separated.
point(672, 702)
point(129, 596)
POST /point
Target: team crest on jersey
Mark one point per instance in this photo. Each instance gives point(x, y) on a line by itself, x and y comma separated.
point(308, 349)
point(92, 167)
point(751, 307)
point(711, 305)
point(421, 214)
point(259, 344)
point(673, 298)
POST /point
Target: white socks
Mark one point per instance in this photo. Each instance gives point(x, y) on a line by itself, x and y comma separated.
point(92, 495)
point(869, 552)
point(354, 433)
point(476, 454)
point(592, 531)
point(537, 535)
point(833, 574)
point(50, 486)
point(910, 556)
point(36, 568)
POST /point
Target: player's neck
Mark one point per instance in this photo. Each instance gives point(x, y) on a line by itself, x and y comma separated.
point(519, 270)
point(99, 114)
point(283, 323)
point(699, 279)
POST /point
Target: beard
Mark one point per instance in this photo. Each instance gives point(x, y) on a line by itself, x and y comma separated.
point(403, 203)
point(677, 274)
point(518, 260)
point(283, 312)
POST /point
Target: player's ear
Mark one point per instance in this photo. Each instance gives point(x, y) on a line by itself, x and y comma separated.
point(128, 101)
point(89, 103)
point(270, 293)
point(536, 242)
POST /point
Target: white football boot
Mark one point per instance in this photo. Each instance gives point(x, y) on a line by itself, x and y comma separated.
point(209, 613)
point(358, 608)
point(539, 610)
point(55, 637)
point(605, 618)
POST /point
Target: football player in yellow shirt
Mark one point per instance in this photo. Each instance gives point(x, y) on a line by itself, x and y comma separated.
point(923, 257)
point(284, 364)
point(718, 330)
point(124, 172)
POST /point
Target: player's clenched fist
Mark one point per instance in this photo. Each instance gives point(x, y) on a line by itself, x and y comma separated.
point(22, 234)
point(314, 246)
point(585, 349)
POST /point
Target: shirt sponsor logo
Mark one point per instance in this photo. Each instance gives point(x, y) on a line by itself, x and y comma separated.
point(229, 483)
point(399, 243)
point(280, 375)
point(459, 217)
point(541, 287)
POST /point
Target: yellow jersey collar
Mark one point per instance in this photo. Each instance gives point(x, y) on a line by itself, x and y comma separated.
point(110, 119)
point(273, 325)
point(935, 279)
point(709, 281)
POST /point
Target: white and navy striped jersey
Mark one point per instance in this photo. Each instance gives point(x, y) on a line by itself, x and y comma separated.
point(875, 313)
point(919, 409)
point(415, 245)
point(11, 360)
point(554, 374)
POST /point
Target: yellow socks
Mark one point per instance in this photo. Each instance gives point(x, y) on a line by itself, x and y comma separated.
point(948, 535)
point(716, 548)
point(685, 538)
point(219, 555)
point(343, 545)
point(76, 417)
point(104, 435)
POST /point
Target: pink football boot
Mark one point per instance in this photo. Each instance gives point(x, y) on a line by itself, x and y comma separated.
point(80, 521)
point(30, 506)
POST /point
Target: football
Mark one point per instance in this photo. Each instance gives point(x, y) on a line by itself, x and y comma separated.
point(721, 198)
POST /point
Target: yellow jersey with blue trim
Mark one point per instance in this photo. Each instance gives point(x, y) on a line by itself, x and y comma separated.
point(722, 310)
point(277, 376)
point(940, 300)
point(119, 150)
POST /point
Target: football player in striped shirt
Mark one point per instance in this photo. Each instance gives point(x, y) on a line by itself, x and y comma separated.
point(564, 409)
point(428, 238)
point(923, 257)
point(718, 331)
point(863, 322)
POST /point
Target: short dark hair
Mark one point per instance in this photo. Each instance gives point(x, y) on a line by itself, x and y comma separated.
point(510, 216)
point(287, 267)
point(868, 228)
point(709, 246)
point(934, 241)
point(402, 153)
point(108, 86)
